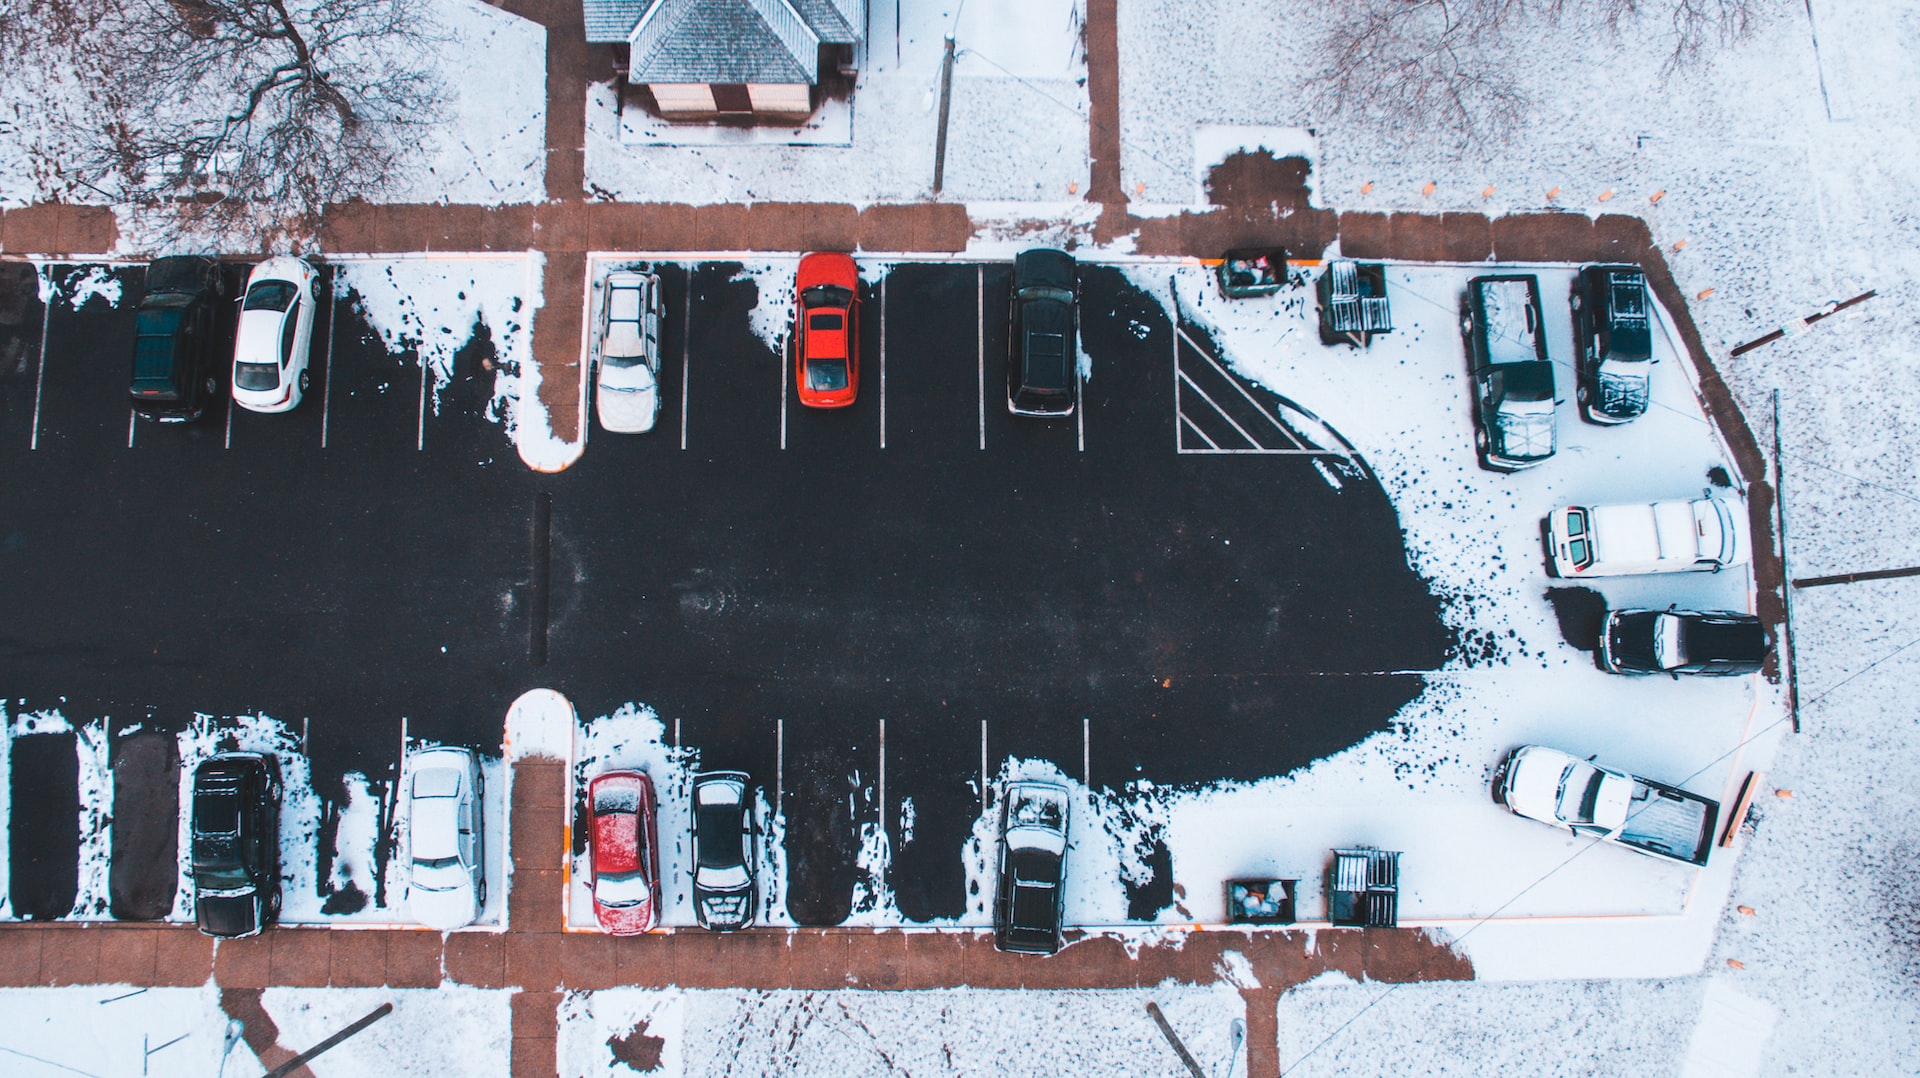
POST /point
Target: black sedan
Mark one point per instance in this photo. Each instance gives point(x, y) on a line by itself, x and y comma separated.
point(236, 843)
point(1042, 374)
point(724, 841)
point(1683, 642)
point(1033, 868)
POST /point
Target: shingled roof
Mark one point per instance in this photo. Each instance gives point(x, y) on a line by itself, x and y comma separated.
point(725, 41)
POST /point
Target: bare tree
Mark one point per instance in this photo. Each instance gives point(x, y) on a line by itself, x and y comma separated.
point(254, 115)
point(1443, 64)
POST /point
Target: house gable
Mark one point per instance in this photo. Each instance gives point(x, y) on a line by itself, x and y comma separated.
point(723, 41)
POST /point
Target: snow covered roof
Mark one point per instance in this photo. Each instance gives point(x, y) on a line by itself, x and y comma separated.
point(725, 41)
point(610, 21)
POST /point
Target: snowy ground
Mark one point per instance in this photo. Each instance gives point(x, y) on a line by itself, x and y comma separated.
point(1017, 128)
point(489, 149)
point(1789, 173)
point(440, 1031)
point(955, 1031)
point(113, 1029)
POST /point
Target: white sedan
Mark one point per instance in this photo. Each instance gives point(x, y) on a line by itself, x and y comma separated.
point(446, 838)
point(275, 337)
point(627, 353)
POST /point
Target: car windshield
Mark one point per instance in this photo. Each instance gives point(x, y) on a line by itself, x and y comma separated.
point(223, 881)
point(256, 376)
point(609, 799)
point(271, 296)
point(625, 889)
point(826, 320)
point(1579, 792)
point(825, 374)
point(826, 295)
point(1509, 329)
point(721, 838)
point(1047, 292)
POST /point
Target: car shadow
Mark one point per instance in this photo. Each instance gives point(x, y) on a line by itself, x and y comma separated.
point(1580, 611)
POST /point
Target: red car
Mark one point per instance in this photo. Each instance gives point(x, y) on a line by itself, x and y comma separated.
point(827, 365)
point(623, 852)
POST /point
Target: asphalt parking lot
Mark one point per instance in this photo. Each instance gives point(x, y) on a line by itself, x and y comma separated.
point(861, 608)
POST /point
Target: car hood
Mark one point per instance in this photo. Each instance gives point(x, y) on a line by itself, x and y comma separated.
point(1533, 782)
point(444, 910)
point(625, 920)
point(230, 915)
point(628, 400)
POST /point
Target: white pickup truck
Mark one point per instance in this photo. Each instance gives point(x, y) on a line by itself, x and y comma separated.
point(1663, 537)
point(1561, 790)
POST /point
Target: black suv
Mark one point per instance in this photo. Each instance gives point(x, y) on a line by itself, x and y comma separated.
point(1613, 331)
point(1043, 353)
point(1679, 642)
point(1512, 379)
point(174, 368)
point(236, 843)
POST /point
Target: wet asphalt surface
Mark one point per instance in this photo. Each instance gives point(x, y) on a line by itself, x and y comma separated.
point(1123, 607)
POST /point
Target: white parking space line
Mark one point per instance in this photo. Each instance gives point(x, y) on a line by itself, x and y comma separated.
point(1086, 752)
point(40, 372)
point(1080, 413)
point(883, 370)
point(779, 763)
point(983, 763)
point(420, 438)
point(676, 733)
point(1235, 382)
point(883, 776)
point(686, 345)
point(229, 444)
point(1208, 397)
point(326, 388)
point(132, 416)
point(1188, 423)
point(980, 341)
point(783, 391)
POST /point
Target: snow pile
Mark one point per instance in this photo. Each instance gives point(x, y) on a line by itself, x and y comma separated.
point(432, 310)
point(430, 1032)
point(1017, 128)
point(539, 724)
point(113, 1029)
point(950, 1031)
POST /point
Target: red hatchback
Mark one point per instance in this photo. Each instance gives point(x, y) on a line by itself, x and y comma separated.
point(827, 305)
point(623, 852)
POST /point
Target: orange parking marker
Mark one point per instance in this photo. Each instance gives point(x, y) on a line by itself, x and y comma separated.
point(1703, 293)
point(1367, 188)
point(1748, 910)
point(1553, 194)
point(1488, 193)
point(1428, 189)
point(1657, 195)
point(1139, 188)
point(1606, 194)
point(1736, 963)
point(1679, 244)
point(1073, 188)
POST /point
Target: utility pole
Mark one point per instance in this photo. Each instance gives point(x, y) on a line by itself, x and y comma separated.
point(946, 99)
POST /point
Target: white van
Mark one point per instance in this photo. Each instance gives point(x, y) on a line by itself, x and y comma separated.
point(1663, 537)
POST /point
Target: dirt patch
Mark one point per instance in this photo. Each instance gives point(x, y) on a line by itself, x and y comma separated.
point(1580, 611)
point(639, 1049)
point(146, 835)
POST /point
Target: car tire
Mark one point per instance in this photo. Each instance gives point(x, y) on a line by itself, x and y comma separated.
point(212, 385)
point(483, 894)
point(1466, 327)
point(1576, 301)
point(1480, 439)
point(1580, 394)
point(313, 287)
point(305, 379)
point(273, 906)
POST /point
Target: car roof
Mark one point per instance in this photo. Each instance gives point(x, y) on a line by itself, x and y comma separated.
point(178, 273)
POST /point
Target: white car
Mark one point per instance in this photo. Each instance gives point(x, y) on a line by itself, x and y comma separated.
point(1705, 534)
point(627, 353)
point(272, 345)
point(446, 838)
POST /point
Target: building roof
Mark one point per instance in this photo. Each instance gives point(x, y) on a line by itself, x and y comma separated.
point(725, 41)
point(610, 21)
